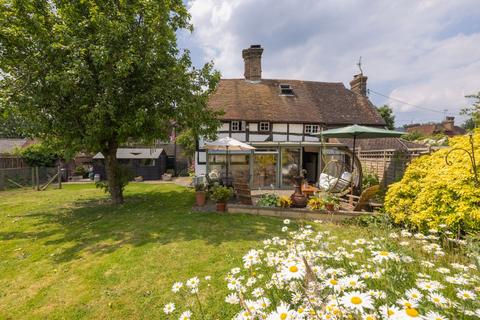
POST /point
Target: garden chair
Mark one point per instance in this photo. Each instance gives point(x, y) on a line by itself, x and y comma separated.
point(362, 202)
point(242, 191)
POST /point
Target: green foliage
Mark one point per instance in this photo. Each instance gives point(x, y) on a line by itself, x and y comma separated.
point(220, 193)
point(200, 187)
point(268, 200)
point(320, 200)
point(80, 171)
point(369, 179)
point(387, 114)
point(315, 203)
point(96, 74)
point(412, 136)
point(123, 177)
point(188, 140)
point(432, 194)
point(473, 112)
point(39, 155)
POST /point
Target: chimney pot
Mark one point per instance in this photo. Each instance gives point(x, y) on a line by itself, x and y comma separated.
point(253, 62)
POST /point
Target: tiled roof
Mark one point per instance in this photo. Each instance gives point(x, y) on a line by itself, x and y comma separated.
point(134, 153)
point(312, 102)
point(8, 146)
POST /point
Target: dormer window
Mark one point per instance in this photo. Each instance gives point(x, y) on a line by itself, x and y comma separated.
point(286, 90)
point(264, 126)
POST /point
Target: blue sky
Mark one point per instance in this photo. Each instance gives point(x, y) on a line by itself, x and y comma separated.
point(424, 52)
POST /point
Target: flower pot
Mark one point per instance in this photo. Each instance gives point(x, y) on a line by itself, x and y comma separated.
point(201, 197)
point(298, 198)
point(221, 206)
point(330, 207)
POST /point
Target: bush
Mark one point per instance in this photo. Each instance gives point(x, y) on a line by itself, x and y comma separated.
point(433, 194)
point(284, 201)
point(80, 171)
point(268, 200)
point(221, 193)
point(39, 155)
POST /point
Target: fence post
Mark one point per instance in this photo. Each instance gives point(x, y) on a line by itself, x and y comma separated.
point(59, 173)
point(2, 180)
point(385, 174)
point(37, 178)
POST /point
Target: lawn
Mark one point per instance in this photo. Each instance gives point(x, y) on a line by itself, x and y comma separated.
point(68, 254)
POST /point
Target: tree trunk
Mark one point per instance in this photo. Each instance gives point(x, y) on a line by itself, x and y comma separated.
point(113, 176)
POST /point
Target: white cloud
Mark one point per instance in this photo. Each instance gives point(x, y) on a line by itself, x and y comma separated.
point(423, 52)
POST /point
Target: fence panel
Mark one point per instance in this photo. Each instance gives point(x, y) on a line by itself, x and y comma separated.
point(13, 177)
point(389, 164)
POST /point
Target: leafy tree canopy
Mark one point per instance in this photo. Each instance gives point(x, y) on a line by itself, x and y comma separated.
point(93, 74)
point(473, 112)
point(387, 114)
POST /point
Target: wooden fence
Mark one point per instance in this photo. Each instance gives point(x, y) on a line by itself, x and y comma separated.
point(390, 164)
point(9, 161)
point(25, 177)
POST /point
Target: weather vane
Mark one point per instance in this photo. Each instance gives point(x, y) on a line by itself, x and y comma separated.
point(359, 64)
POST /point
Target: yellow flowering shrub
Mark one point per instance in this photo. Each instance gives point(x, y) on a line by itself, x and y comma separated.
point(432, 194)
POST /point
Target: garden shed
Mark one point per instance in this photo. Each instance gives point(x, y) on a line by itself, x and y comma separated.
point(148, 163)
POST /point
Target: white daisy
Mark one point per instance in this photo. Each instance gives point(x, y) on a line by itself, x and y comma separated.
point(432, 315)
point(169, 308)
point(177, 286)
point(357, 301)
point(186, 315)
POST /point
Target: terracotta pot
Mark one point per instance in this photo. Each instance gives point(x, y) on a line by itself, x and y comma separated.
point(330, 207)
point(221, 206)
point(201, 197)
point(298, 198)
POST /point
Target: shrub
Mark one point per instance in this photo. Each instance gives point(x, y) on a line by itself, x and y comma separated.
point(315, 203)
point(39, 155)
point(284, 201)
point(220, 193)
point(80, 171)
point(369, 179)
point(433, 194)
point(268, 200)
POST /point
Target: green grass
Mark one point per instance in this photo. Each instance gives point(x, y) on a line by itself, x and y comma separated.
point(69, 254)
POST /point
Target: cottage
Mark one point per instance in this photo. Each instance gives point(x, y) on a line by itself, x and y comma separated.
point(282, 119)
point(446, 127)
point(148, 163)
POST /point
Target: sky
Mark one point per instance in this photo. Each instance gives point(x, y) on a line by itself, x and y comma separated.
point(421, 56)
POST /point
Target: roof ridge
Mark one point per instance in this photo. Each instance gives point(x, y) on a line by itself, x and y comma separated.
point(297, 80)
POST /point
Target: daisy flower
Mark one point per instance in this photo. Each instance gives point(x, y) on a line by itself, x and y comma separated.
point(293, 270)
point(283, 312)
point(232, 298)
point(356, 301)
point(437, 298)
point(432, 315)
point(466, 295)
point(414, 294)
point(389, 312)
point(410, 313)
point(177, 286)
point(169, 308)
point(192, 282)
point(186, 315)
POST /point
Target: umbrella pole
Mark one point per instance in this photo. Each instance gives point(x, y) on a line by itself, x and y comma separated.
point(226, 182)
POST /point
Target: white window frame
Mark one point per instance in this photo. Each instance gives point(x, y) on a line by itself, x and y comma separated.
point(236, 126)
point(309, 128)
point(262, 128)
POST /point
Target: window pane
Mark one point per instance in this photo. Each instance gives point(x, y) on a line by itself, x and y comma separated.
point(290, 165)
point(264, 170)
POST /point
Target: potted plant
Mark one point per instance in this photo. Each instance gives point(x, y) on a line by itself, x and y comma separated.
point(220, 195)
point(200, 194)
point(330, 202)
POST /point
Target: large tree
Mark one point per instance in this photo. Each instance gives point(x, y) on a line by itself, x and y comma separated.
point(387, 114)
point(93, 74)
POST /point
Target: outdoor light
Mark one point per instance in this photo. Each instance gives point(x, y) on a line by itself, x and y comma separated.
point(471, 154)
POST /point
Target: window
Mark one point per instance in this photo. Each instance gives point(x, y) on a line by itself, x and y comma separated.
point(264, 126)
point(147, 162)
point(236, 126)
point(312, 128)
point(286, 89)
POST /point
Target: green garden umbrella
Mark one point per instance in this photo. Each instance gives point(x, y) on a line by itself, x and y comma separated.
point(359, 132)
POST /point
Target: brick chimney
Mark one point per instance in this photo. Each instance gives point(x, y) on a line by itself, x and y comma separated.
point(253, 62)
point(449, 123)
point(359, 84)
